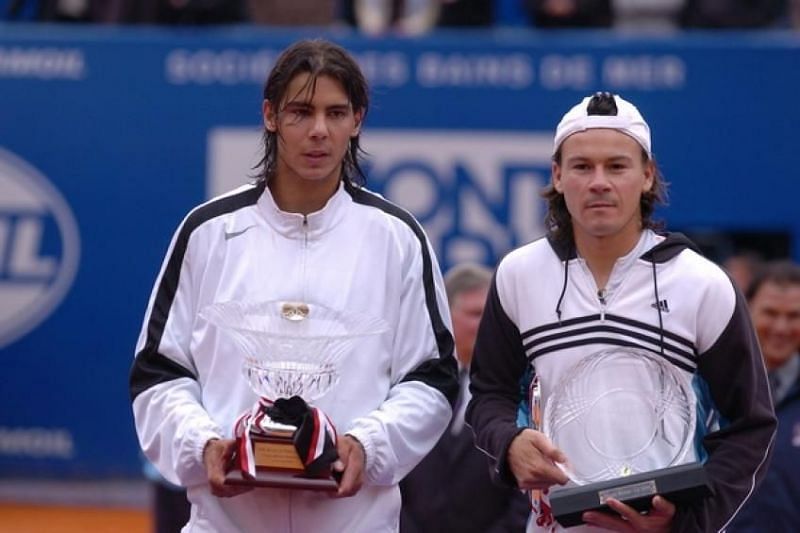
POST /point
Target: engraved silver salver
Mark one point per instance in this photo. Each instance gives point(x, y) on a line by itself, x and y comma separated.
point(625, 418)
point(619, 412)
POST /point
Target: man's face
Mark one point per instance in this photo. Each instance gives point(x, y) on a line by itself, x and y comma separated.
point(466, 310)
point(313, 132)
point(776, 316)
point(602, 177)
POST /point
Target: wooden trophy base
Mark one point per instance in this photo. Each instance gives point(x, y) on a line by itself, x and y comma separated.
point(281, 480)
point(278, 466)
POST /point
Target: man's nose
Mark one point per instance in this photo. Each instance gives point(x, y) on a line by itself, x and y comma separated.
point(599, 178)
point(319, 127)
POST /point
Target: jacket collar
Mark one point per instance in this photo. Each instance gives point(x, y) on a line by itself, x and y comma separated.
point(298, 226)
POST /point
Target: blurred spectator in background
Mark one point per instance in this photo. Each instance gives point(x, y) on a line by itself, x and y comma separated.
point(450, 490)
point(732, 13)
point(647, 15)
point(407, 17)
point(293, 12)
point(774, 300)
point(132, 11)
point(794, 14)
point(466, 13)
point(570, 13)
point(742, 266)
point(415, 17)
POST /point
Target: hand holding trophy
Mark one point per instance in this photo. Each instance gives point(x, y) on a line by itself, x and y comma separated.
point(625, 419)
point(291, 354)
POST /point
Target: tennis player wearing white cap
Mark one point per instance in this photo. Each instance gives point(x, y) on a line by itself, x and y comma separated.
point(606, 276)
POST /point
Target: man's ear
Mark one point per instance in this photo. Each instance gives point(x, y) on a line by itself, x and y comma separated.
point(555, 177)
point(270, 116)
point(358, 116)
point(649, 176)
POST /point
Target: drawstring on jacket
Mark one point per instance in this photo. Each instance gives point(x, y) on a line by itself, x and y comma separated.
point(563, 290)
point(658, 306)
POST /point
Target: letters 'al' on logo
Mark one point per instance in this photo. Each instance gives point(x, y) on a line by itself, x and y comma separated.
point(39, 248)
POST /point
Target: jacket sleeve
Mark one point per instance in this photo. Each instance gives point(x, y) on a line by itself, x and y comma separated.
point(498, 365)
point(171, 423)
point(418, 407)
point(739, 451)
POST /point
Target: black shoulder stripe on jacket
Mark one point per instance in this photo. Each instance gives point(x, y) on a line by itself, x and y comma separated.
point(442, 374)
point(151, 367)
point(526, 335)
point(578, 337)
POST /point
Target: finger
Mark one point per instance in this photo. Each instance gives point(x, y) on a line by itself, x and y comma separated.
point(542, 476)
point(607, 521)
point(350, 482)
point(548, 449)
point(626, 511)
point(351, 476)
point(347, 485)
point(229, 491)
point(662, 507)
point(557, 474)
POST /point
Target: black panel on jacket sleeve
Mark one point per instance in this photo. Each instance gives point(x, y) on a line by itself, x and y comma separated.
point(498, 365)
point(441, 374)
point(739, 452)
point(151, 367)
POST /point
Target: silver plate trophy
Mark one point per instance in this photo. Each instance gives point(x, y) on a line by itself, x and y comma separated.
point(291, 353)
point(625, 418)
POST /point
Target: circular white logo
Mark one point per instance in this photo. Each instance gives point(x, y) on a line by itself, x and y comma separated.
point(39, 248)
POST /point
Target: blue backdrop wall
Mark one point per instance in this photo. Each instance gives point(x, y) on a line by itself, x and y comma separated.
point(109, 136)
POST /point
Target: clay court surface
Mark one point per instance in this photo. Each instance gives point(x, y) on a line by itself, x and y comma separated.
point(73, 507)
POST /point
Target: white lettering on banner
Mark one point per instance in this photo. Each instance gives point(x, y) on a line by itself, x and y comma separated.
point(239, 67)
point(476, 193)
point(566, 72)
point(39, 248)
point(512, 71)
point(644, 72)
point(42, 63)
point(36, 442)
point(225, 67)
point(384, 69)
point(431, 70)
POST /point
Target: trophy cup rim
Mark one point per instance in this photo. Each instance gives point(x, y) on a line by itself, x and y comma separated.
point(214, 314)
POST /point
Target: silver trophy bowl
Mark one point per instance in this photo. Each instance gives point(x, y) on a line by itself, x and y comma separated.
point(619, 412)
point(291, 348)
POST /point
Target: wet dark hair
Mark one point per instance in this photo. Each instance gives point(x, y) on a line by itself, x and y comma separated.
point(558, 221)
point(317, 57)
point(783, 273)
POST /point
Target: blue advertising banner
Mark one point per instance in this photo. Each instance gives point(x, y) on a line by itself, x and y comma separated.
point(108, 136)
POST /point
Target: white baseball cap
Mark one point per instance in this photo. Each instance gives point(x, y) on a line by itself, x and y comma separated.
point(628, 120)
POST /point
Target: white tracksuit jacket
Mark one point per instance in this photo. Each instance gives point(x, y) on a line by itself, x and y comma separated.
point(359, 252)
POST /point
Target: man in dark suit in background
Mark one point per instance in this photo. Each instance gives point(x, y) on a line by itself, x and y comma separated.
point(450, 490)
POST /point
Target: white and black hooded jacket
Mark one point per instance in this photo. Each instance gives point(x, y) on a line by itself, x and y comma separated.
point(544, 314)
